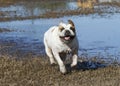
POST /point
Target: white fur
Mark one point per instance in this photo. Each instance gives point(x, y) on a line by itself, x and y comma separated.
point(54, 46)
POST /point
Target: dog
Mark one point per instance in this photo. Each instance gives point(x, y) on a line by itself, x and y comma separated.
point(59, 41)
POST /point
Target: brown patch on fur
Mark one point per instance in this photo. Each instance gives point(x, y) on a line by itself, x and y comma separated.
point(72, 28)
point(61, 28)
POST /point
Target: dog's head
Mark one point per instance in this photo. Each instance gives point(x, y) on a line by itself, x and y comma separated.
point(67, 31)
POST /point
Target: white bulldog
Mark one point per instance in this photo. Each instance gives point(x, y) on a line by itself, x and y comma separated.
point(59, 41)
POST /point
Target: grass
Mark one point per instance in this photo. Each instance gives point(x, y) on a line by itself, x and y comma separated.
point(38, 72)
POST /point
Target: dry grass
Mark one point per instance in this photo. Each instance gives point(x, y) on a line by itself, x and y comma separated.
point(37, 72)
point(50, 14)
point(85, 8)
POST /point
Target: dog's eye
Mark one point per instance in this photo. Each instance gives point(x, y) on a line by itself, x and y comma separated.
point(72, 28)
point(62, 28)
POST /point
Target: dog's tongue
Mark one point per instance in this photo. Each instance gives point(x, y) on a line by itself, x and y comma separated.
point(67, 38)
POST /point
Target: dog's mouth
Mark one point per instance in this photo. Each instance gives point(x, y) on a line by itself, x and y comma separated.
point(67, 38)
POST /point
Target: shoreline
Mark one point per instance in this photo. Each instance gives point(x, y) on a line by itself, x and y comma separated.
point(100, 9)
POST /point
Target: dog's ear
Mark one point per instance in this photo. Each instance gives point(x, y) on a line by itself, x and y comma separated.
point(71, 22)
point(73, 27)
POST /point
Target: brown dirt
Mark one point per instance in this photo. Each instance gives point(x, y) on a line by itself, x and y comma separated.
point(52, 14)
point(38, 72)
point(5, 30)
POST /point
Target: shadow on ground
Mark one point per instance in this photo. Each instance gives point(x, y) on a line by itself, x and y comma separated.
point(86, 65)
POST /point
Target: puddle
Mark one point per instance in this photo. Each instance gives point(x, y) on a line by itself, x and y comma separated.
point(98, 34)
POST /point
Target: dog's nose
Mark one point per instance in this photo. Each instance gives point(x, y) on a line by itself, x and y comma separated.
point(67, 32)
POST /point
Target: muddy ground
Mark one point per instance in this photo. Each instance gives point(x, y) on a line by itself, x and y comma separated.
point(38, 72)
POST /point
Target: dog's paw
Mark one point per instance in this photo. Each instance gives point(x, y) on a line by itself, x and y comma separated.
point(73, 65)
point(63, 70)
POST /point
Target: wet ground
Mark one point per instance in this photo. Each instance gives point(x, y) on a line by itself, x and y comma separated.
point(38, 72)
point(22, 26)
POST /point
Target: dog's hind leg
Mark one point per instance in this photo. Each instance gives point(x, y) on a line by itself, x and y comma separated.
point(49, 53)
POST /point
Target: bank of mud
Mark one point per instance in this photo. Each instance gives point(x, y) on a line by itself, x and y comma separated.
point(21, 10)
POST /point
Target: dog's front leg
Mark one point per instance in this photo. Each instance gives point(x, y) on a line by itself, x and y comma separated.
point(74, 60)
point(60, 62)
